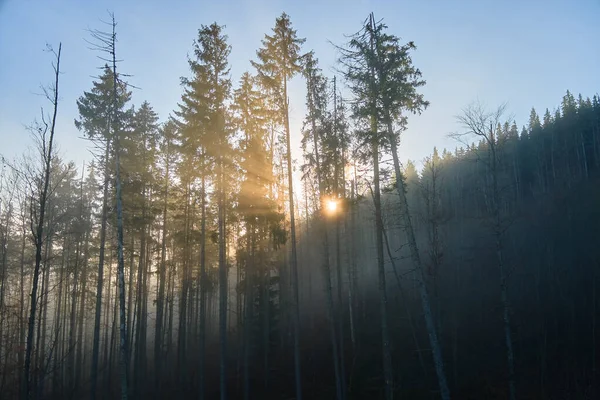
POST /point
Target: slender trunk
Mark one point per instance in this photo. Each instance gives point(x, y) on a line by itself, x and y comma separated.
point(503, 276)
point(4, 277)
point(140, 342)
point(386, 350)
point(594, 338)
point(104, 358)
point(416, 259)
point(72, 328)
point(57, 317)
point(181, 339)
point(113, 334)
point(294, 258)
point(81, 327)
point(42, 320)
point(340, 309)
point(39, 234)
point(404, 301)
point(203, 278)
point(100, 283)
point(120, 259)
point(266, 326)
point(325, 238)
point(249, 304)
point(352, 269)
point(222, 285)
point(130, 309)
point(22, 306)
point(160, 303)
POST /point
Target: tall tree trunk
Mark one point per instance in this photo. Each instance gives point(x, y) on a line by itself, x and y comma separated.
point(339, 173)
point(120, 259)
point(249, 304)
point(160, 303)
point(39, 233)
point(386, 348)
point(100, 283)
point(4, 277)
point(294, 257)
point(222, 284)
point(416, 259)
point(325, 238)
point(385, 340)
point(203, 278)
point(73, 317)
point(182, 331)
point(81, 327)
point(104, 358)
point(22, 306)
point(352, 267)
point(503, 274)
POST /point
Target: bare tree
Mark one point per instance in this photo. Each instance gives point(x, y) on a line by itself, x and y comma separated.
point(477, 121)
point(37, 215)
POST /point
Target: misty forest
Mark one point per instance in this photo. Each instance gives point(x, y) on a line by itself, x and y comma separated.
point(186, 260)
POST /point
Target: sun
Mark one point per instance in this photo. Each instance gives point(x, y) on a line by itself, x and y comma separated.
point(331, 205)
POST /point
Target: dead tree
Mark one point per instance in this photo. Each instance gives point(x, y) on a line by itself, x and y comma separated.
point(477, 121)
point(37, 216)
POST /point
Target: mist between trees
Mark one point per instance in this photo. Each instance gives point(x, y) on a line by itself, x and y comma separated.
point(183, 263)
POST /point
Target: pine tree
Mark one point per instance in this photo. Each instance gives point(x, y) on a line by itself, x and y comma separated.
point(256, 208)
point(278, 61)
point(206, 122)
point(95, 109)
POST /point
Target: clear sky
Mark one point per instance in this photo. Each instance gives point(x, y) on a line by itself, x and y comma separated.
point(525, 52)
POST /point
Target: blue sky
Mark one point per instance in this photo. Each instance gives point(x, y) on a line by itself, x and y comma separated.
point(525, 52)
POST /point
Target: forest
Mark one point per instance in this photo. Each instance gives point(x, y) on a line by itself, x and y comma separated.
point(186, 261)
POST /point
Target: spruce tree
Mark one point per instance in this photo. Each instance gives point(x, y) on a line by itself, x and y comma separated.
point(205, 124)
point(278, 61)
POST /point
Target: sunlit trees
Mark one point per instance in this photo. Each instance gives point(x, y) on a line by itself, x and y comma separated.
point(259, 214)
point(139, 144)
point(185, 201)
point(205, 107)
point(278, 61)
point(317, 123)
point(358, 61)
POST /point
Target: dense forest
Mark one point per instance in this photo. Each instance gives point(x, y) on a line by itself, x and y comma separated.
point(186, 261)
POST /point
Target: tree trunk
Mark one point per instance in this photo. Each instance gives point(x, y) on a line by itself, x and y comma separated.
point(100, 283)
point(339, 389)
point(38, 235)
point(120, 259)
point(416, 259)
point(160, 302)
point(222, 285)
point(503, 275)
point(294, 258)
point(203, 278)
point(386, 350)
